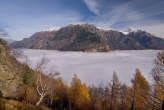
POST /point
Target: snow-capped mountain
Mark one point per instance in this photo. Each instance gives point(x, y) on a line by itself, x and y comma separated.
point(85, 37)
point(129, 30)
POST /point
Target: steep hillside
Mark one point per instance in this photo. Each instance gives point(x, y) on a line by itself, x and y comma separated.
point(147, 40)
point(12, 87)
point(10, 80)
point(87, 37)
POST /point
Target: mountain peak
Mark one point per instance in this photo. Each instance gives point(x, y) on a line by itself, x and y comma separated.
point(86, 25)
point(131, 30)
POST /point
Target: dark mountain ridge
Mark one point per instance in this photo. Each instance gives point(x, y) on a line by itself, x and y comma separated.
point(87, 37)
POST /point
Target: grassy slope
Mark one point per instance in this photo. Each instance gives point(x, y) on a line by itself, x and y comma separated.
point(15, 105)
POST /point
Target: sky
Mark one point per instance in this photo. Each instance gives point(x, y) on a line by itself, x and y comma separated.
point(22, 18)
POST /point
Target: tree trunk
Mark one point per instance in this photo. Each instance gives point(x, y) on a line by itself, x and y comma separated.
point(40, 100)
point(111, 104)
point(162, 105)
point(69, 105)
point(132, 106)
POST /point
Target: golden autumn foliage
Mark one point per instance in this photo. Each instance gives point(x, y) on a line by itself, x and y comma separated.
point(85, 94)
point(114, 92)
point(78, 93)
point(124, 97)
point(140, 92)
point(55, 94)
point(30, 95)
point(158, 96)
point(60, 89)
point(114, 96)
point(157, 74)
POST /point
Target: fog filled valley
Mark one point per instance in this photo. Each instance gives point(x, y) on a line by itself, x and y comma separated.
point(82, 55)
point(93, 68)
point(34, 79)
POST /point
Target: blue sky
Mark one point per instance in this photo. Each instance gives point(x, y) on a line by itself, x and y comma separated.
point(22, 18)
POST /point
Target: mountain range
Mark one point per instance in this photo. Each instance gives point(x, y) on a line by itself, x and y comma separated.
point(86, 37)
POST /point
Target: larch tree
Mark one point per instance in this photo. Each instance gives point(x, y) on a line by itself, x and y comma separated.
point(114, 92)
point(107, 98)
point(124, 97)
point(158, 76)
point(85, 100)
point(97, 97)
point(78, 93)
point(140, 92)
point(157, 96)
point(59, 95)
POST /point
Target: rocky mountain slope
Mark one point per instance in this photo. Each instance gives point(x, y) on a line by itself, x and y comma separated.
point(10, 80)
point(87, 37)
point(12, 87)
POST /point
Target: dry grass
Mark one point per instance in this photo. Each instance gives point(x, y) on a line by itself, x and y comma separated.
point(15, 105)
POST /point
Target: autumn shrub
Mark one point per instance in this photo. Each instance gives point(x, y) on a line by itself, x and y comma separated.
point(30, 95)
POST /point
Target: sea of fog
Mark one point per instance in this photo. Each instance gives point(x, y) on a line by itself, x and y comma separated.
point(93, 68)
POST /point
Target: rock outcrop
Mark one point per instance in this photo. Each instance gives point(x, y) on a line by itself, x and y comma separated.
point(11, 84)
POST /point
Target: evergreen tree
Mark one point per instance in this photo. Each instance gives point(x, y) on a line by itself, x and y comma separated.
point(28, 77)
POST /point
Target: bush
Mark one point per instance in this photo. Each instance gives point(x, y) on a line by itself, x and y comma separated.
point(30, 95)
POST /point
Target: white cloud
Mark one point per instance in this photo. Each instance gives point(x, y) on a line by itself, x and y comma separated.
point(125, 15)
point(3, 33)
point(24, 26)
point(120, 13)
point(93, 6)
point(156, 29)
